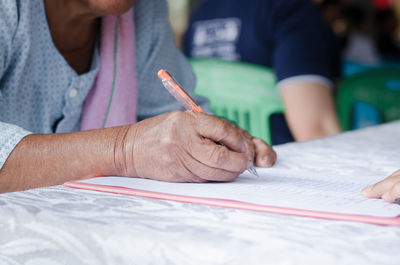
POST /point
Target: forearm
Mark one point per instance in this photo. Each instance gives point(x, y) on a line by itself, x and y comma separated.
point(310, 111)
point(44, 160)
point(308, 129)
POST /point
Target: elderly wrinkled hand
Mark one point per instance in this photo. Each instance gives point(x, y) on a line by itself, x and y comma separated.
point(387, 189)
point(184, 147)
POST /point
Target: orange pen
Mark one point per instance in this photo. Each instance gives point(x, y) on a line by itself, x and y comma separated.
point(183, 98)
point(177, 91)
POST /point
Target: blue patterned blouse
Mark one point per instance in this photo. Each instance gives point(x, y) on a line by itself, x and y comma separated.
point(41, 93)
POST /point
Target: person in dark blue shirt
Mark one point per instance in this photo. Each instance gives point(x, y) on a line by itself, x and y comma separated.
point(288, 36)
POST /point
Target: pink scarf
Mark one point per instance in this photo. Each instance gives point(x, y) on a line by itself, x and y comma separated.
point(112, 100)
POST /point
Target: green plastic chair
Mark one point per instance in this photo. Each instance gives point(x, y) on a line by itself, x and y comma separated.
point(379, 88)
point(239, 92)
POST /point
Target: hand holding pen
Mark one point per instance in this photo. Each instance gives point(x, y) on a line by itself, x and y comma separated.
point(266, 156)
point(181, 146)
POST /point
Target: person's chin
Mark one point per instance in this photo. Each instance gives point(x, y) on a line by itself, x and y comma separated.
point(111, 7)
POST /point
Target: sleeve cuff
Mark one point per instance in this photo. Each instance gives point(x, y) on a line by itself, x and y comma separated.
point(303, 79)
point(11, 135)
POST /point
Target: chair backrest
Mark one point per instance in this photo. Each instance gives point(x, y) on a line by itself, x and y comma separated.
point(242, 93)
point(379, 88)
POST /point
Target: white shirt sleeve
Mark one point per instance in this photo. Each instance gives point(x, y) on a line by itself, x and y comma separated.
point(10, 136)
point(303, 79)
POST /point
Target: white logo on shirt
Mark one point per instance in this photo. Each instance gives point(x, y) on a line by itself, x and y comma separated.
point(216, 38)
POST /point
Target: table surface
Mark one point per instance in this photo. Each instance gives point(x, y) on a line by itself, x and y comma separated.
point(59, 225)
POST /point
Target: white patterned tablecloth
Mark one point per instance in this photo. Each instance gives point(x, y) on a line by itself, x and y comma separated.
point(59, 225)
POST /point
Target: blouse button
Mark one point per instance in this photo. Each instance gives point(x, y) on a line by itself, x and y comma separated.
point(73, 92)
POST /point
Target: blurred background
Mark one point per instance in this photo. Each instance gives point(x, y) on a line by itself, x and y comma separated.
point(375, 21)
point(368, 91)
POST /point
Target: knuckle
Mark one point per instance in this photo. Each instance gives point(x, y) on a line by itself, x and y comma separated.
point(167, 141)
point(260, 142)
point(175, 116)
point(225, 128)
point(218, 155)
